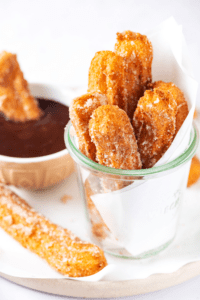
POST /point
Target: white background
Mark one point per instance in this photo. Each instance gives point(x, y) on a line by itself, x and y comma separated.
point(55, 42)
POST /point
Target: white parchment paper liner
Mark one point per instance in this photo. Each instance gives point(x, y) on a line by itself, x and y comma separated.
point(127, 212)
point(20, 262)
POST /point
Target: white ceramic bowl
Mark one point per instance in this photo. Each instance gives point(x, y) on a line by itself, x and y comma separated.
point(44, 171)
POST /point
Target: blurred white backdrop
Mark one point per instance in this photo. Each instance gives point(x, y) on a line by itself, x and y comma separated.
point(56, 40)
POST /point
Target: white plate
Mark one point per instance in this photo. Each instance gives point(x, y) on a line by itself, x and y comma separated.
point(178, 263)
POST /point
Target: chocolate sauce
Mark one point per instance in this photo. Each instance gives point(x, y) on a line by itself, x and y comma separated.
point(35, 138)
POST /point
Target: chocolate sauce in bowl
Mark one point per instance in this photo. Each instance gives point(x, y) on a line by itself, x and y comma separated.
point(35, 138)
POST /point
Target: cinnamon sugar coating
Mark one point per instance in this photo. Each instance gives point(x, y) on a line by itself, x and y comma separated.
point(182, 107)
point(16, 101)
point(106, 74)
point(154, 123)
point(137, 53)
point(111, 131)
point(81, 110)
point(58, 246)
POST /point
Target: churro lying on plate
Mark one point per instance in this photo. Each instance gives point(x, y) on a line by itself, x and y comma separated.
point(81, 110)
point(111, 132)
point(58, 246)
point(137, 53)
point(16, 102)
point(154, 123)
point(182, 107)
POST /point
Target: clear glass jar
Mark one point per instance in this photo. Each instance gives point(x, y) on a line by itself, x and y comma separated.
point(132, 213)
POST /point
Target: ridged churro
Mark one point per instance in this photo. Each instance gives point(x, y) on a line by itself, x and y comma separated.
point(58, 246)
point(137, 53)
point(106, 74)
point(111, 132)
point(154, 123)
point(16, 101)
point(182, 107)
point(81, 110)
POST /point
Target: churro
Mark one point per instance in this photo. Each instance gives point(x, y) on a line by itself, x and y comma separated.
point(58, 246)
point(154, 122)
point(106, 74)
point(111, 132)
point(81, 110)
point(99, 228)
point(182, 107)
point(137, 53)
point(16, 102)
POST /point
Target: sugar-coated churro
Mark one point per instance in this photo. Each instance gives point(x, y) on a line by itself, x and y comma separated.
point(58, 246)
point(81, 110)
point(154, 123)
point(137, 53)
point(182, 107)
point(111, 132)
point(106, 74)
point(16, 101)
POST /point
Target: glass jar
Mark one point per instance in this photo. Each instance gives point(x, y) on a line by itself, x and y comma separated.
point(132, 213)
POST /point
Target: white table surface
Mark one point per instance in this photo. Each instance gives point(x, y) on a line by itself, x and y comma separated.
point(55, 41)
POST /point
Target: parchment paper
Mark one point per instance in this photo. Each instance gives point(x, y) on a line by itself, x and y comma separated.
point(126, 212)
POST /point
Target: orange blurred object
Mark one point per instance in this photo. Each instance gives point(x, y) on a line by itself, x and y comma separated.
point(195, 114)
point(194, 174)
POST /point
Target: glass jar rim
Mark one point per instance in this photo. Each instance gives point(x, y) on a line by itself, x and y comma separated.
point(88, 163)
